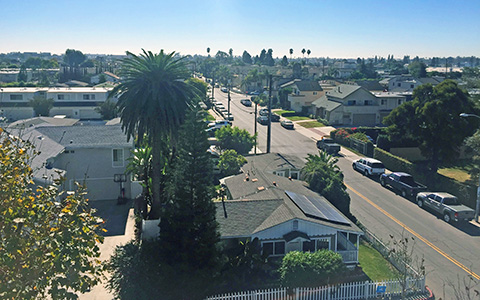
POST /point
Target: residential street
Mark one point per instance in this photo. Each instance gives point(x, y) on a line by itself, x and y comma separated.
point(450, 251)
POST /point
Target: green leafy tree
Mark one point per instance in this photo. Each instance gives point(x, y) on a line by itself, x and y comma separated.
point(188, 234)
point(48, 246)
point(284, 61)
point(432, 120)
point(247, 58)
point(261, 58)
point(41, 105)
point(230, 162)
point(153, 99)
point(269, 61)
point(108, 109)
point(307, 269)
point(324, 177)
point(22, 75)
point(418, 69)
point(240, 140)
point(74, 58)
point(200, 85)
point(140, 165)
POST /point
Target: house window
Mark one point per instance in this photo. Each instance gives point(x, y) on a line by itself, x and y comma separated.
point(314, 93)
point(399, 84)
point(368, 102)
point(323, 244)
point(89, 97)
point(384, 101)
point(117, 158)
point(279, 248)
point(295, 225)
point(273, 248)
point(60, 97)
point(351, 102)
point(16, 97)
point(399, 101)
point(411, 86)
point(309, 246)
point(294, 174)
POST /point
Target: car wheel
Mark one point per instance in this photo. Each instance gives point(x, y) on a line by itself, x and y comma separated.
point(382, 182)
point(404, 194)
point(420, 203)
point(446, 217)
point(365, 172)
point(354, 166)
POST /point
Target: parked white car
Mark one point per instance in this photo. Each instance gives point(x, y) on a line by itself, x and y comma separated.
point(219, 123)
point(369, 166)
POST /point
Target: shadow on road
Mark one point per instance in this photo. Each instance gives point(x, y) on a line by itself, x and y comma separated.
point(114, 215)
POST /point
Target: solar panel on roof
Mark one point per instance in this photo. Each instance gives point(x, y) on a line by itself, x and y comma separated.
point(316, 207)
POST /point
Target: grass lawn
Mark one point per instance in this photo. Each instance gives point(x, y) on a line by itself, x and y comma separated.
point(291, 115)
point(374, 265)
point(311, 124)
point(460, 170)
point(297, 118)
point(209, 117)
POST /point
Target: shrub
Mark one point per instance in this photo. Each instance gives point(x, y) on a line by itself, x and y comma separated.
point(235, 138)
point(230, 162)
point(323, 121)
point(307, 269)
point(393, 162)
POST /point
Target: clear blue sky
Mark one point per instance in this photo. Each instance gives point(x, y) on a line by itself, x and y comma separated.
point(336, 28)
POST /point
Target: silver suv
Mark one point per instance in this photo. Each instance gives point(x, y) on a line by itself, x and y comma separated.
point(369, 166)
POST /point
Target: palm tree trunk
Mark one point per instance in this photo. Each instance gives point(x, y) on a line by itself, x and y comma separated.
point(156, 178)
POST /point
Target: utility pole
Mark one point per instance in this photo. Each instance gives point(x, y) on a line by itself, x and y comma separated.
point(255, 128)
point(269, 129)
point(228, 114)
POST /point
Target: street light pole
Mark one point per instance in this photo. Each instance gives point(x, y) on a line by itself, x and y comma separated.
point(269, 129)
point(477, 207)
point(255, 128)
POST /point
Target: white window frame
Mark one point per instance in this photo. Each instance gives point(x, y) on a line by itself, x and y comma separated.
point(119, 163)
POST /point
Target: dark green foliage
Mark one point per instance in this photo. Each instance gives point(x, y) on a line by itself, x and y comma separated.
point(188, 229)
point(22, 75)
point(393, 162)
point(136, 271)
point(284, 61)
point(307, 269)
point(41, 105)
point(235, 138)
point(418, 69)
point(432, 120)
point(247, 58)
point(230, 162)
point(108, 109)
point(324, 177)
point(74, 58)
point(244, 268)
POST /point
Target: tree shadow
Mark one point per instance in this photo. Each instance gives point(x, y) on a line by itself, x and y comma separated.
point(114, 215)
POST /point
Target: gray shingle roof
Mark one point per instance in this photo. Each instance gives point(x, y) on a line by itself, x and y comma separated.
point(325, 103)
point(308, 86)
point(342, 91)
point(22, 124)
point(252, 210)
point(87, 136)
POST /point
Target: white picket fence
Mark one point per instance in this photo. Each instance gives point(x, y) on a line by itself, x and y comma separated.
point(346, 291)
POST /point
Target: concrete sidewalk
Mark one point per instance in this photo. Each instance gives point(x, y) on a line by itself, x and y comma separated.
point(120, 225)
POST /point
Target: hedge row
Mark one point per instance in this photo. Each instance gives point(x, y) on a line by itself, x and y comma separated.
point(467, 194)
point(393, 162)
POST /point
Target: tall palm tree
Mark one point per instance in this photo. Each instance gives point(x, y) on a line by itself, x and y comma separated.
point(152, 102)
point(303, 52)
point(291, 52)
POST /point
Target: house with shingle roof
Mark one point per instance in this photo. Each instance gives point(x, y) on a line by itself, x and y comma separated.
point(93, 155)
point(282, 214)
point(304, 92)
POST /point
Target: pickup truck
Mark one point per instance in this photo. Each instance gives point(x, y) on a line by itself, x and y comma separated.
point(403, 183)
point(328, 145)
point(446, 205)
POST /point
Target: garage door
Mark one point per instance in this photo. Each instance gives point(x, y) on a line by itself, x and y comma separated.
point(364, 119)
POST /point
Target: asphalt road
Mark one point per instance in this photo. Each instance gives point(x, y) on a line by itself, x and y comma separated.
point(451, 251)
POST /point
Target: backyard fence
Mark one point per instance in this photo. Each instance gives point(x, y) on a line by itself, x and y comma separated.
point(346, 291)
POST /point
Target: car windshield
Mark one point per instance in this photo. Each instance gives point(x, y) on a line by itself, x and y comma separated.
point(408, 180)
point(450, 201)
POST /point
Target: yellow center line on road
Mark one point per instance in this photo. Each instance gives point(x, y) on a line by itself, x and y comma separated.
point(440, 251)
